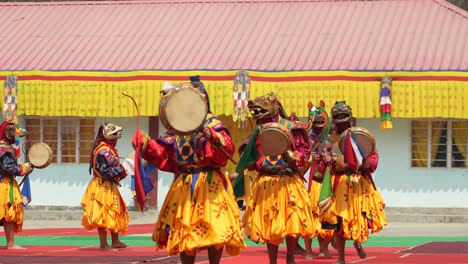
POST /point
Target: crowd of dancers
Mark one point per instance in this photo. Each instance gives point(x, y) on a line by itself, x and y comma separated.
point(306, 188)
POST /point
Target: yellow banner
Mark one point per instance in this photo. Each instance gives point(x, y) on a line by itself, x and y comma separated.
point(87, 94)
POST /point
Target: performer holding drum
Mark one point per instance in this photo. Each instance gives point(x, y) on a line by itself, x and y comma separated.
point(11, 204)
point(357, 205)
point(103, 205)
point(279, 206)
point(199, 210)
point(318, 130)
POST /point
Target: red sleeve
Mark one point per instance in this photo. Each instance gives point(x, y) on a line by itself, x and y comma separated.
point(301, 147)
point(161, 155)
point(211, 155)
point(373, 160)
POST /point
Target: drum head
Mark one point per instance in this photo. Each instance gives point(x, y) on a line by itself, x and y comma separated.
point(40, 155)
point(185, 111)
point(274, 141)
point(363, 137)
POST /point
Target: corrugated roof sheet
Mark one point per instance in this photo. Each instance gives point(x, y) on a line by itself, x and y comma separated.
point(267, 35)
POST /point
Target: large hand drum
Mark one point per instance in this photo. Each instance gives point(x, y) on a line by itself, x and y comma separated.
point(363, 137)
point(183, 110)
point(274, 139)
point(40, 155)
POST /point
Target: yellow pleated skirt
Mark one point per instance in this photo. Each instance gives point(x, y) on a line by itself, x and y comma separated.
point(104, 207)
point(278, 207)
point(314, 194)
point(11, 203)
point(358, 205)
point(199, 211)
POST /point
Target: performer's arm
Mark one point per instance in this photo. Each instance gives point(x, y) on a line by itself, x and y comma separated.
point(302, 148)
point(109, 165)
point(9, 166)
point(156, 152)
point(372, 161)
point(210, 152)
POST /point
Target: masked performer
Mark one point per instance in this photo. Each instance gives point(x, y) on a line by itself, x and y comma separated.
point(279, 206)
point(11, 210)
point(319, 127)
point(357, 205)
point(199, 210)
point(103, 205)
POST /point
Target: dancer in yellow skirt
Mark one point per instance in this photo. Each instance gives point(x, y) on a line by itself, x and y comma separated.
point(103, 205)
point(357, 205)
point(199, 211)
point(11, 204)
point(279, 206)
point(319, 127)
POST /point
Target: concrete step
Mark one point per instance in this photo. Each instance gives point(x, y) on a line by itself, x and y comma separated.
point(75, 213)
point(427, 215)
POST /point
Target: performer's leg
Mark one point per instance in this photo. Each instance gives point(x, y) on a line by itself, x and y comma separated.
point(291, 243)
point(272, 253)
point(103, 239)
point(323, 244)
point(308, 248)
point(116, 243)
point(360, 250)
point(9, 228)
point(299, 249)
point(340, 247)
point(214, 255)
point(186, 259)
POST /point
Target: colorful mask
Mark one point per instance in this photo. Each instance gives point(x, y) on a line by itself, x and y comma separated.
point(341, 113)
point(111, 131)
point(265, 106)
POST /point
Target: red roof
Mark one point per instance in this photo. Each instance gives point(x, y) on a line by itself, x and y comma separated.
point(264, 35)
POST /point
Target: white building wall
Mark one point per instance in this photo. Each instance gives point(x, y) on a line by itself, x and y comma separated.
point(400, 185)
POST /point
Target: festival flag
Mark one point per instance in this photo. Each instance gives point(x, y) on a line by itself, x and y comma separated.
point(354, 154)
point(248, 157)
point(385, 104)
point(26, 191)
point(326, 192)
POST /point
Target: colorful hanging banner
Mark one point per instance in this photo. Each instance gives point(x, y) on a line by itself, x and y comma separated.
point(385, 103)
point(241, 93)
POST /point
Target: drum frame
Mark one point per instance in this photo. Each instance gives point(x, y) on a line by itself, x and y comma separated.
point(47, 148)
point(164, 119)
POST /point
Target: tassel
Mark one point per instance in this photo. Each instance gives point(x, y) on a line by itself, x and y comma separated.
point(385, 103)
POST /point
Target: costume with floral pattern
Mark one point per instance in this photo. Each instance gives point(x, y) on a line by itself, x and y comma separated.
point(199, 210)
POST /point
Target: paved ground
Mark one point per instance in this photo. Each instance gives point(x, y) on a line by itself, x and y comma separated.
point(393, 228)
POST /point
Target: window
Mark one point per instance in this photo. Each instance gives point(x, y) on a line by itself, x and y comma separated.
point(71, 139)
point(439, 144)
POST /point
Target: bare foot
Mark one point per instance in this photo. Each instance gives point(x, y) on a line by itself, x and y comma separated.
point(119, 245)
point(290, 259)
point(299, 250)
point(309, 255)
point(106, 247)
point(15, 246)
point(360, 250)
point(340, 262)
point(325, 254)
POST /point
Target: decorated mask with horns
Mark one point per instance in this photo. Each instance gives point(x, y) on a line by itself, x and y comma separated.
point(265, 106)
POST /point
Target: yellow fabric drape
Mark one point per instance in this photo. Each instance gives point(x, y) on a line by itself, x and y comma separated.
point(419, 144)
point(460, 137)
point(437, 128)
point(410, 99)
